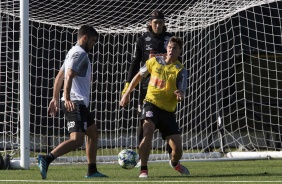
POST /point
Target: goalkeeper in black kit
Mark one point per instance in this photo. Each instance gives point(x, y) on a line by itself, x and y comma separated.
point(152, 43)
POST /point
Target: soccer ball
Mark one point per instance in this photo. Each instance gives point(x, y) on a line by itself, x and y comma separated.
point(127, 159)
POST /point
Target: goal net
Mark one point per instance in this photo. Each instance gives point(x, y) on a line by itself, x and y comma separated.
point(232, 51)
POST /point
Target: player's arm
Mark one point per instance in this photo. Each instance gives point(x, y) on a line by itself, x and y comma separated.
point(54, 103)
point(181, 84)
point(134, 82)
point(70, 74)
point(126, 96)
point(75, 65)
point(135, 64)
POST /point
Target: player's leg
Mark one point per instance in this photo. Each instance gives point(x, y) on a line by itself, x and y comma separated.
point(176, 154)
point(91, 143)
point(176, 147)
point(145, 146)
point(140, 137)
point(76, 140)
point(140, 129)
point(75, 119)
point(170, 131)
point(91, 147)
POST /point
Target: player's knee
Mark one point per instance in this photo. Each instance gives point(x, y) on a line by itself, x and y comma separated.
point(148, 128)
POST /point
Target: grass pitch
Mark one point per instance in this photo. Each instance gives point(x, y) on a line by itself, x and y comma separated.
point(259, 171)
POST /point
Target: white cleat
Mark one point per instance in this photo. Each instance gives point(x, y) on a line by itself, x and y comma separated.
point(143, 174)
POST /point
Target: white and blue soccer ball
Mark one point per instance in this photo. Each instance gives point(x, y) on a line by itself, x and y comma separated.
point(127, 159)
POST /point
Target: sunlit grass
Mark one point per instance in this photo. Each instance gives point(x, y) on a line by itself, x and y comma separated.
point(227, 171)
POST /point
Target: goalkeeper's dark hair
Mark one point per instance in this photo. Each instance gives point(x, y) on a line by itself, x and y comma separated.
point(177, 40)
point(87, 30)
point(156, 14)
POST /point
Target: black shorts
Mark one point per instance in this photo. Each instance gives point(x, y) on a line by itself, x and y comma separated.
point(163, 120)
point(79, 119)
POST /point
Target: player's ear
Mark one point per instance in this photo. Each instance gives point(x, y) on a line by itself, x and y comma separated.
point(84, 38)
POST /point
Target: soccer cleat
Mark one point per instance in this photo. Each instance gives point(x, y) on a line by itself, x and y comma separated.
point(43, 166)
point(143, 174)
point(180, 168)
point(138, 164)
point(95, 175)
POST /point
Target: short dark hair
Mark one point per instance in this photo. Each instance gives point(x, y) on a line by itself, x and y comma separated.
point(87, 30)
point(176, 40)
point(156, 14)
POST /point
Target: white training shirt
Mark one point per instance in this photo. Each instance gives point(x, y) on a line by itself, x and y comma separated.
point(77, 60)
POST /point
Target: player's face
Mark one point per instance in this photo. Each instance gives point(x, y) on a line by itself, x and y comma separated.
point(90, 42)
point(157, 25)
point(173, 51)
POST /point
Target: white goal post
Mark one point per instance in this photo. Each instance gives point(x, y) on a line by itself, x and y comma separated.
point(232, 51)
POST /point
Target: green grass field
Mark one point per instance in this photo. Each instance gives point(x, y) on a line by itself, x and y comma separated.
point(264, 171)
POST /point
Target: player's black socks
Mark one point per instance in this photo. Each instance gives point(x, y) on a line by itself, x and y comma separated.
point(92, 168)
point(174, 163)
point(50, 158)
point(144, 168)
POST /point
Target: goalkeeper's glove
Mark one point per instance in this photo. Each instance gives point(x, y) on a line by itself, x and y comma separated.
point(125, 88)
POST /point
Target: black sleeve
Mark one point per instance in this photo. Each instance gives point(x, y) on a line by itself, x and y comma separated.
point(135, 64)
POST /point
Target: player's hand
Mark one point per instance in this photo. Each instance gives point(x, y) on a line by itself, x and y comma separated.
point(53, 107)
point(125, 88)
point(179, 95)
point(125, 99)
point(69, 105)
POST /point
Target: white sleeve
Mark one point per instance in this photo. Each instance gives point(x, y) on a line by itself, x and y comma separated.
point(63, 67)
point(144, 71)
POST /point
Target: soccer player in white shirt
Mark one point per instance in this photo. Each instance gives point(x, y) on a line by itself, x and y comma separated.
point(76, 75)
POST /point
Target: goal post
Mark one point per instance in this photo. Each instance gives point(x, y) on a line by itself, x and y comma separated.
point(232, 51)
point(24, 85)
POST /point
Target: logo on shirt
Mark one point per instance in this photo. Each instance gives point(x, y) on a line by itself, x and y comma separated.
point(148, 47)
point(75, 55)
point(156, 82)
point(149, 114)
point(148, 38)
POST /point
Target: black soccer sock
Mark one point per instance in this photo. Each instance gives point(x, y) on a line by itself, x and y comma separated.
point(174, 163)
point(92, 168)
point(50, 158)
point(144, 168)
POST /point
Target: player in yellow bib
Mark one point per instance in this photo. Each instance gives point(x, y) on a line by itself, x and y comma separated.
point(162, 84)
point(167, 86)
